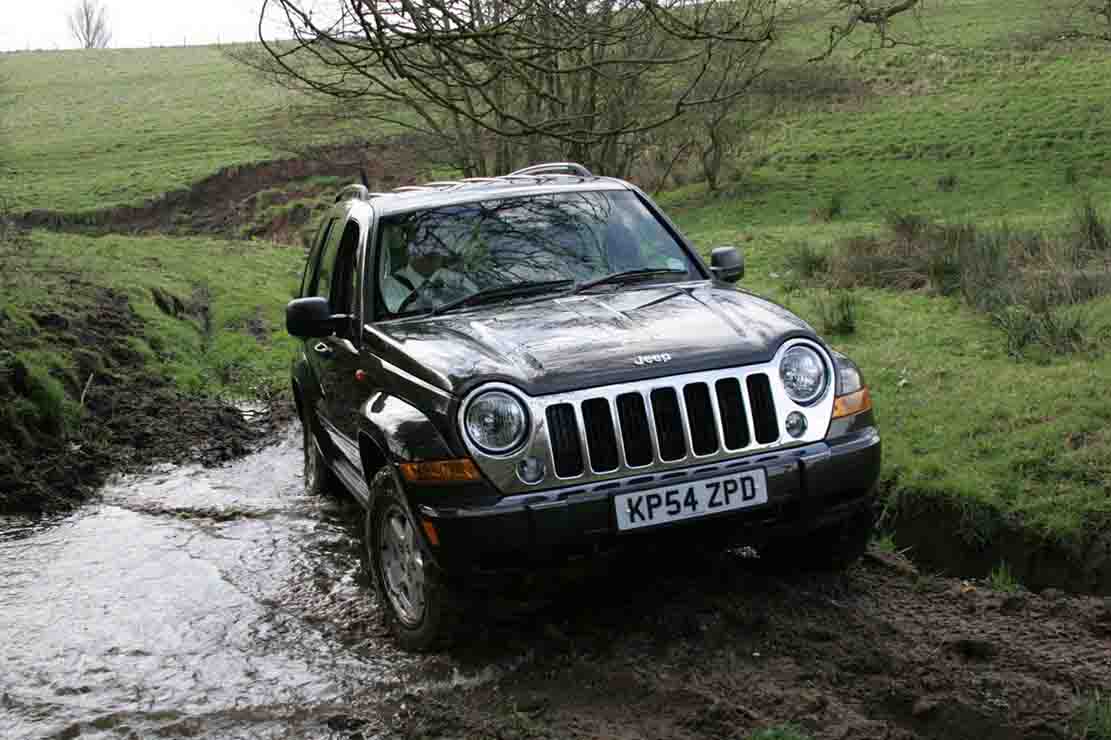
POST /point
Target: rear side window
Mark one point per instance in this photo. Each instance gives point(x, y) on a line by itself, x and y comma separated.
point(343, 290)
point(312, 265)
point(321, 284)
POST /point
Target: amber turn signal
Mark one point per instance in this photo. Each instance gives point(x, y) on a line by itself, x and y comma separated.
point(431, 533)
point(854, 403)
point(440, 471)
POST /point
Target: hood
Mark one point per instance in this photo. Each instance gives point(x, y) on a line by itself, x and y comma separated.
point(574, 342)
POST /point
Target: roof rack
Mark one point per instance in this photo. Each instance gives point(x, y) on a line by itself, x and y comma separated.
point(535, 173)
point(554, 168)
point(358, 192)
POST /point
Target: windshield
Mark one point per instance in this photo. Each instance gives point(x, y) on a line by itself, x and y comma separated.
point(430, 258)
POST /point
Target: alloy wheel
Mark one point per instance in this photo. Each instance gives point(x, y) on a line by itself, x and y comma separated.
point(402, 564)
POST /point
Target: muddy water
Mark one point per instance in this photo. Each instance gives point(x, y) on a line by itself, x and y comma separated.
point(190, 602)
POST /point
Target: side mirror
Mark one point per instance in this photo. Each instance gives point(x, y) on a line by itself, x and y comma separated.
point(309, 317)
point(727, 264)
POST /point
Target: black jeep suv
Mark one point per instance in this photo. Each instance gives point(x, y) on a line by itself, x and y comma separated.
point(510, 371)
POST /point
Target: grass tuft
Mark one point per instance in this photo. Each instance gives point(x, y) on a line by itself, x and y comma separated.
point(1093, 233)
point(837, 311)
point(831, 210)
point(885, 543)
point(1003, 580)
point(807, 261)
point(1093, 719)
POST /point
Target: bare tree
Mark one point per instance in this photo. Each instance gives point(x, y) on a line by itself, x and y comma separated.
point(88, 24)
point(504, 81)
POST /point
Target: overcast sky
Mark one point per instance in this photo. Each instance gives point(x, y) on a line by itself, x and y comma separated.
point(41, 24)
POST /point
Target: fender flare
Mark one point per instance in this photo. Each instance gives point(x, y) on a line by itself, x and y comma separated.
point(392, 431)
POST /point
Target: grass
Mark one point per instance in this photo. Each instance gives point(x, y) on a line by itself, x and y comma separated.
point(1003, 580)
point(1093, 719)
point(885, 543)
point(992, 130)
point(91, 129)
point(228, 341)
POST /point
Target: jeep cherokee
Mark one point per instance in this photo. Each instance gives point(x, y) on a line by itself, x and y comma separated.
point(511, 371)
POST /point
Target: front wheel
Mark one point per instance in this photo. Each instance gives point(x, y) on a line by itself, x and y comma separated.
point(316, 474)
point(418, 606)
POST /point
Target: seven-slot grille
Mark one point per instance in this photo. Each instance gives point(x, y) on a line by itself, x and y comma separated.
point(663, 424)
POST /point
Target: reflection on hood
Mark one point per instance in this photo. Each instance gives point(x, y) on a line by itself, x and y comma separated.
point(558, 344)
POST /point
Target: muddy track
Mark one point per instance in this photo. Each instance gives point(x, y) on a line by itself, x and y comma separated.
point(714, 649)
point(225, 603)
point(221, 202)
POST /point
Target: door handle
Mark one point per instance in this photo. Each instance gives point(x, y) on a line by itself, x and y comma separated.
point(323, 349)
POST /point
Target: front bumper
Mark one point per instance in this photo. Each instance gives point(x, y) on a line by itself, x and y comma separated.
point(808, 487)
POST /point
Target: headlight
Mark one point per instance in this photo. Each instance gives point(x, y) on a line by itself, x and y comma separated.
point(803, 374)
point(496, 422)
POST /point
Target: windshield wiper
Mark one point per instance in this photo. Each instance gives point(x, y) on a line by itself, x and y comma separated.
point(641, 273)
point(502, 291)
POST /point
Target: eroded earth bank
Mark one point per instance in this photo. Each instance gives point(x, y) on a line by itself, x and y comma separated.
point(224, 603)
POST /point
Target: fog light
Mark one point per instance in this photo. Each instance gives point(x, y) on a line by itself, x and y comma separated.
point(796, 424)
point(530, 470)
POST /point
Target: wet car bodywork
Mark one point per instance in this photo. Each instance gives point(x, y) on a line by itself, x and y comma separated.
point(381, 395)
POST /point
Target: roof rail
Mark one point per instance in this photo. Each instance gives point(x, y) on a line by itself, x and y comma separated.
point(536, 173)
point(555, 168)
point(358, 192)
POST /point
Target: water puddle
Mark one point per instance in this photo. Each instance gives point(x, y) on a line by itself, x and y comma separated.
point(191, 602)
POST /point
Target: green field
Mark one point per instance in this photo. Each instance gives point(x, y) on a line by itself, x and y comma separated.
point(997, 123)
point(1024, 131)
point(91, 129)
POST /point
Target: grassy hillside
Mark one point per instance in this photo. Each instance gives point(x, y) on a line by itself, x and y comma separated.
point(91, 129)
point(1008, 131)
point(223, 335)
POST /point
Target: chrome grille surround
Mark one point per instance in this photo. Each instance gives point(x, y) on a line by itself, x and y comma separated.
point(502, 469)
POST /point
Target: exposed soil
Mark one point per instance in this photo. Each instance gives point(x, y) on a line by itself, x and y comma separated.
point(129, 417)
point(711, 648)
point(1035, 561)
point(223, 203)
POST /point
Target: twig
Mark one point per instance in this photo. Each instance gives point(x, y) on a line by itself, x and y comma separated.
point(85, 392)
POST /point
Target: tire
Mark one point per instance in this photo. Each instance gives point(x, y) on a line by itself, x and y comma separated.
point(830, 549)
point(319, 479)
point(418, 606)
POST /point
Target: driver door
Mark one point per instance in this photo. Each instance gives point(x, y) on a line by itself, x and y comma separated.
point(335, 359)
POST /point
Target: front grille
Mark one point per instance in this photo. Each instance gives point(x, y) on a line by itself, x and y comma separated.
point(601, 439)
point(662, 424)
point(564, 435)
point(669, 424)
point(634, 429)
point(763, 408)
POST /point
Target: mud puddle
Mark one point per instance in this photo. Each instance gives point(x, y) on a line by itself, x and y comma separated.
point(191, 602)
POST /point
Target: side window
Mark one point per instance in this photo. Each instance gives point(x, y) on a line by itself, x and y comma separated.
point(343, 294)
point(321, 284)
point(312, 265)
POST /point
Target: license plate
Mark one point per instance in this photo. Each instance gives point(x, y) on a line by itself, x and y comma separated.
point(691, 500)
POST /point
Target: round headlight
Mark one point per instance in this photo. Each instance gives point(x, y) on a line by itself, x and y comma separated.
point(803, 374)
point(496, 422)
